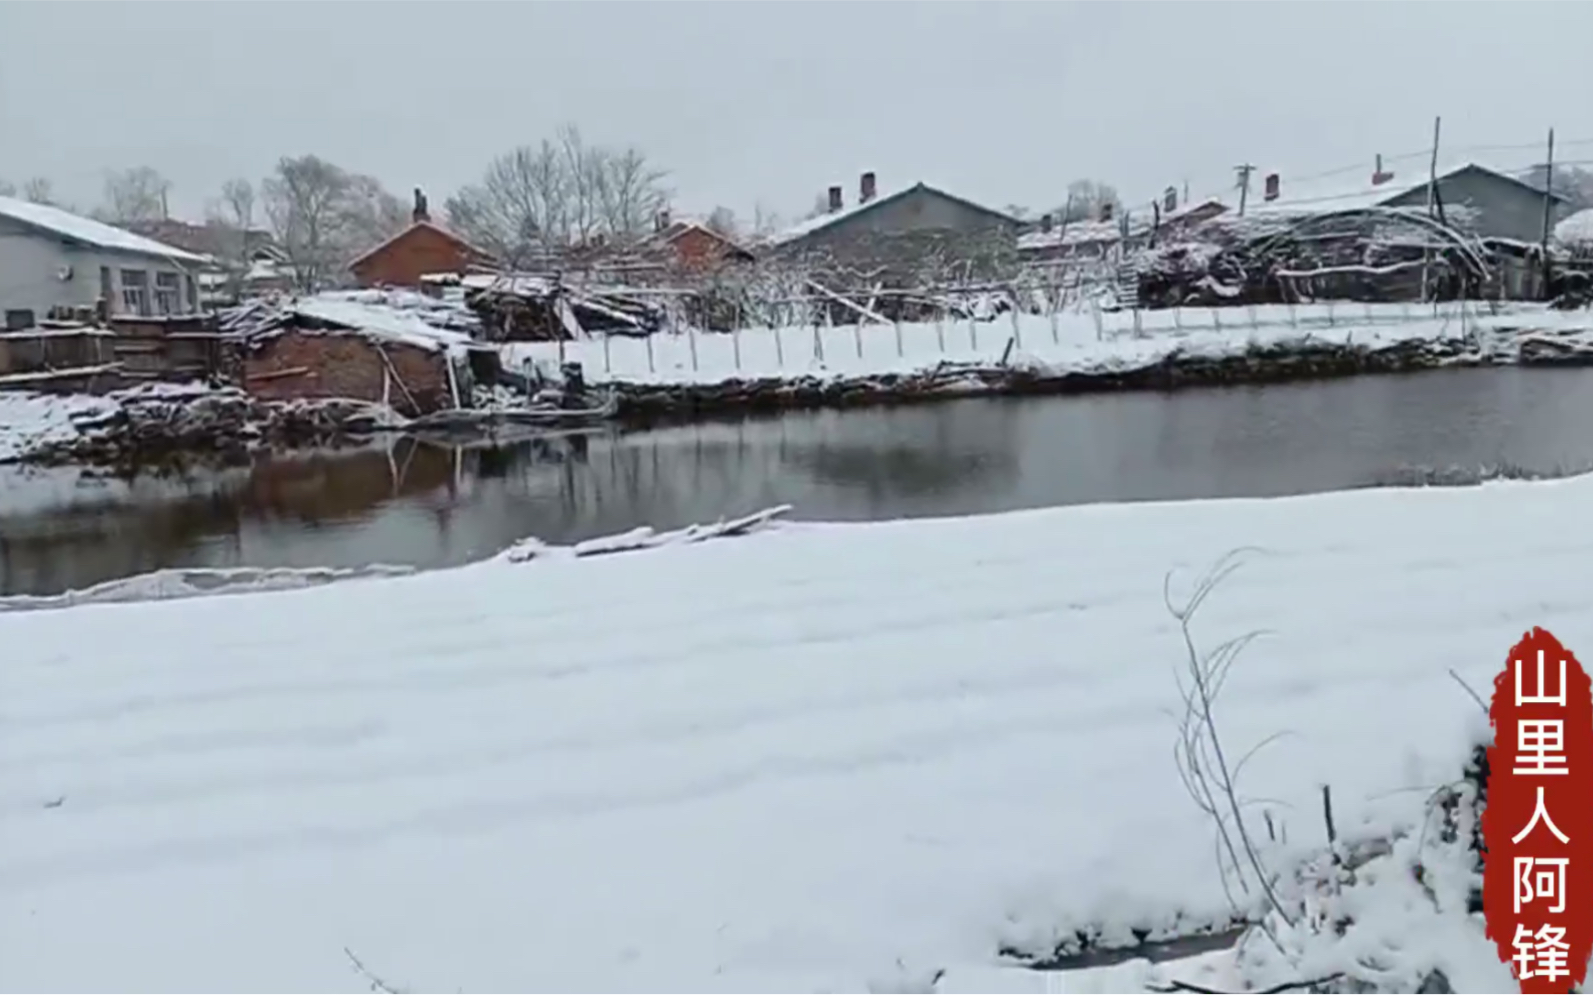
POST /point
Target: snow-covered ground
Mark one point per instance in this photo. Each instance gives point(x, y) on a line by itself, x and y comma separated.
point(1069, 341)
point(821, 757)
point(28, 421)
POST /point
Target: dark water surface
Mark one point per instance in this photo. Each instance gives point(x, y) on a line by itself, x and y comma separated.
point(405, 502)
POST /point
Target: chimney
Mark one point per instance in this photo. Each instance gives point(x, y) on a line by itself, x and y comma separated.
point(661, 220)
point(1045, 223)
point(420, 213)
point(1378, 176)
point(866, 189)
point(1272, 189)
point(835, 199)
point(1170, 200)
point(1106, 210)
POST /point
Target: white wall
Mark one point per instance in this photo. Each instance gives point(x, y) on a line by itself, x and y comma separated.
point(29, 273)
point(31, 264)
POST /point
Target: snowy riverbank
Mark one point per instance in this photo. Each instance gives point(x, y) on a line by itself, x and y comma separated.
point(816, 758)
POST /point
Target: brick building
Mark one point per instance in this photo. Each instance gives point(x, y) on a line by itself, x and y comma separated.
point(305, 363)
point(694, 245)
point(424, 247)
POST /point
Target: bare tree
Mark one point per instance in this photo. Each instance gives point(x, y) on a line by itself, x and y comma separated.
point(558, 194)
point(39, 190)
point(723, 220)
point(137, 194)
point(1086, 199)
point(765, 222)
point(323, 216)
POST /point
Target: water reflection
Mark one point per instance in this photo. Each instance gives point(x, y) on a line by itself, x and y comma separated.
point(404, 501)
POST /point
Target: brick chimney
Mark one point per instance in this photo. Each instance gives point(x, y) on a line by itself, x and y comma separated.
point(420, 213)
point(1272, 188)
point(1378, 176)
point(835, 199)
point(866, 188)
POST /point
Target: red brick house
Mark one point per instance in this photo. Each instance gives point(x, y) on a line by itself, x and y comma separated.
point(695, 245)
point(424, 247)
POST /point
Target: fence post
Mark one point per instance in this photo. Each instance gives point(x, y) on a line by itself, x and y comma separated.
point(735, 345)
point(1017, 331)
point(1100, 323)
point(1056, 333)
point(1330, 313)
point(651, 366)
point(897, 324)
point(940, 332)
point(857, 335)
point(691, 336)
point(608, 363)
point(779, 348)
point(973, 333)
point(1216, 320)
point(818, 344)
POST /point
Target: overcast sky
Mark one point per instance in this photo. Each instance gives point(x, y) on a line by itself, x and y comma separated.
point(767, 102)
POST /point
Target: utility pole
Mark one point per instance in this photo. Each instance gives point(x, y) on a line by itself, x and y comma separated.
point(1244, 172)
point(1432, 193)
point(1548, 210)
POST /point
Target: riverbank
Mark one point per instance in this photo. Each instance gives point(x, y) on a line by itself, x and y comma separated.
point(172, 423)
point(818, 758)
point(671, 377)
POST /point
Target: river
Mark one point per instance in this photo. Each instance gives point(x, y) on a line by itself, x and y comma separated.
point(405, 502)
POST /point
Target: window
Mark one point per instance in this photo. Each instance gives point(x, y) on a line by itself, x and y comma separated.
point(18, 319)
point(168, 293)
point(135, 291)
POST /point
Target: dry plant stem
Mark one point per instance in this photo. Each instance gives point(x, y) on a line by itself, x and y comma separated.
point(376, 983)
point(1199, 753)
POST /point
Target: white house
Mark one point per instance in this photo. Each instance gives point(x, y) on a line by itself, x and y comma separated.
point(54, 258)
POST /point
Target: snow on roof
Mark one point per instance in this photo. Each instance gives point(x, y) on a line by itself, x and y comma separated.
point(382, 320)
point(1094, 232)
point(1576, 229)
point(1352, 189)
point(87, 231)
point(822, 221)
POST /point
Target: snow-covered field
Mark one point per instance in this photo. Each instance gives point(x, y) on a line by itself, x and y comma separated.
point(816, 758)
point(1070, 341)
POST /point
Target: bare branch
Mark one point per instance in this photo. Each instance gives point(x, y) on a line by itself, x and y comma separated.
point(137, 194)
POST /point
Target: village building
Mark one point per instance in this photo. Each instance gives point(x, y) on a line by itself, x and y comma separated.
point(332, 346)
point(908, 219)
point(52, 260)
point(240, 263)
point(1105, 238)
point(693, 245)
point(422, 249)
point(1492, 204)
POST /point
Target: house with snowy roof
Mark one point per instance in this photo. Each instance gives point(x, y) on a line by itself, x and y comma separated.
point(53, 259)
point(1495, 204)
point(919, 210)
point(424, 248)
point(695, 244)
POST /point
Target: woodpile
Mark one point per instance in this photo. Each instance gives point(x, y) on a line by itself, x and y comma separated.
point(1309, 360)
